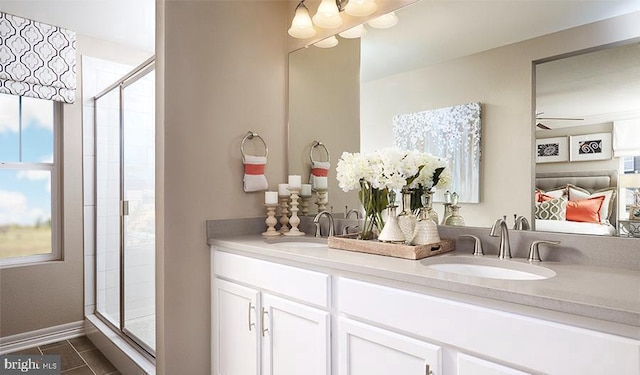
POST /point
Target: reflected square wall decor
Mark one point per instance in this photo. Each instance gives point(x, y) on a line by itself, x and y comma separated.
point(452, 133)
point(590, 147)
point(550, 150)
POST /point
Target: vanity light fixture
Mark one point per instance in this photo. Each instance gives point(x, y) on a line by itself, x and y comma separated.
point(360, 8)
point(385, 21)
point(329, 42)
point(301, 26)
point(354, 32)
point(328, 15)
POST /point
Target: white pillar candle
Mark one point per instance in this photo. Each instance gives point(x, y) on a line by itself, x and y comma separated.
point(305, 190)
point(283, 191)
point(295, 181)
point(271, 197)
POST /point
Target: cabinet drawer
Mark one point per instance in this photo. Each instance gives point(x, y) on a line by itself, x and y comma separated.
point(527, 342)
point(300, 284)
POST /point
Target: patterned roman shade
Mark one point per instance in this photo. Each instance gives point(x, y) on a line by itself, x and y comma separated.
point(37, 60)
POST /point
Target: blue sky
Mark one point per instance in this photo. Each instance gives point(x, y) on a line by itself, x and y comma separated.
point(25, 196)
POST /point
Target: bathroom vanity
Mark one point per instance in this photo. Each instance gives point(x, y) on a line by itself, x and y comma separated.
point(281, 307)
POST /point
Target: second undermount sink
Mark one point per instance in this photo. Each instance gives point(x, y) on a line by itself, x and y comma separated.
point(491, 268)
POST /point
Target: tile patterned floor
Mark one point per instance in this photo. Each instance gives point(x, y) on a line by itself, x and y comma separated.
point(77, 356)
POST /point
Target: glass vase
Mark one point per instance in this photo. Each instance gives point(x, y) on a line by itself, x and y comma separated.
point(407, 219)
point(455, 218)
point(374, 202)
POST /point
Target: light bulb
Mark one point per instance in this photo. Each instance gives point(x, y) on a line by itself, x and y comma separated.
point(328, 15)
point(385, 21)
point(354, 32)
point(360, 8)
point(301, 26)
point(331, 41)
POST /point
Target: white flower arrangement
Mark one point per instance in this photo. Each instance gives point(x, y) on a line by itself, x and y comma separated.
point(392, 169)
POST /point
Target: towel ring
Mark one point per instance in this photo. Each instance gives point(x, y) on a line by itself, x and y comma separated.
point(318, 144)
point(251, 135)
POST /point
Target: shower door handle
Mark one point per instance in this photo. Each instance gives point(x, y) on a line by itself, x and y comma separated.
point(124, 208)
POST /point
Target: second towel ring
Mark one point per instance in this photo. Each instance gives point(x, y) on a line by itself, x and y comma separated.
point(318, 144)
point(251, 135)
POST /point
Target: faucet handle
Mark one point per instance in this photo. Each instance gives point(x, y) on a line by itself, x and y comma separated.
point(477, 247)
point(534, 252)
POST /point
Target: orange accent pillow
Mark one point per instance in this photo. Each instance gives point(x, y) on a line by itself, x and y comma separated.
point(585, 210)
point(542, 197)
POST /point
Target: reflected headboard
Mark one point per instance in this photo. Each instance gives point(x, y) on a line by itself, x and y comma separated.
point(588, 180)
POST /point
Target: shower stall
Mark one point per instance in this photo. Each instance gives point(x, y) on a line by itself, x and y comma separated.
point(125, 205)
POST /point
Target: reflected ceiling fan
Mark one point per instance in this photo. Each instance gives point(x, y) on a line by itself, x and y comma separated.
point(542, 126)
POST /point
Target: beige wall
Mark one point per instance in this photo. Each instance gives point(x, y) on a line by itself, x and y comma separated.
point(501, 79)
point(224, 66)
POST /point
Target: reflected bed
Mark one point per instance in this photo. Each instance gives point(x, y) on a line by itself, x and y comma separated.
point(576, 188)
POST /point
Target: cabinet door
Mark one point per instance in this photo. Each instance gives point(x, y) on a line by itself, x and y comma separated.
point(235, 329)
point(468, 365)
point(296, 338)
point(368, 350)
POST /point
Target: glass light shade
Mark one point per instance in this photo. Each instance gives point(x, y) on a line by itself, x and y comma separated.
point(360, 8)
point(301, 26)
point(385, 21)
point(354, 32)
point(331, 41)
point(328, 15)
point(629, 180)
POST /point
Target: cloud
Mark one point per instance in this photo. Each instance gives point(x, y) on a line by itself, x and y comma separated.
point(14, 209)
point(35, 112)
point(36, 175)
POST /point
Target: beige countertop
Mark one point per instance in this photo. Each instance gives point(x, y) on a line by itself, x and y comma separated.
point(610, 295)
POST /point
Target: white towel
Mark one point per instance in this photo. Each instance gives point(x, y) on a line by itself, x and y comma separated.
point(319, 171)
point(254, 178)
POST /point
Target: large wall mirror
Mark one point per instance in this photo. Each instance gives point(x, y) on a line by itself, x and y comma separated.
point(588, 141)
point(346, 96)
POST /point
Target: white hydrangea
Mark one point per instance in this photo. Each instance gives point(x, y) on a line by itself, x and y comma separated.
point(390, 168)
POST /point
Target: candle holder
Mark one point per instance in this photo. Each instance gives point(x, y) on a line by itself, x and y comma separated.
point(284, 214)
point(294, 220)
point(304, 204)
point(322, 199)
point(271, 220)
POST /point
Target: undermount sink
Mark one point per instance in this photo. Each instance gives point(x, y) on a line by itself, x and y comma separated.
point(489, 268)
point(297, 242)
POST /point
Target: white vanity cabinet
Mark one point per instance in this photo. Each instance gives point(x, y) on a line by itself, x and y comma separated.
point(508, 343)
point(367, 350)
point(268, 318)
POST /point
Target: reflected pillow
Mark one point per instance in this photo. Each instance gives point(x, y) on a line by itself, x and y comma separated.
point(543, 196)
point(577, 193)
point(585, 210)
point(554, 209)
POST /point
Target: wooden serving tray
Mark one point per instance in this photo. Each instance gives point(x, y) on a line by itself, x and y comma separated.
point(351, 243)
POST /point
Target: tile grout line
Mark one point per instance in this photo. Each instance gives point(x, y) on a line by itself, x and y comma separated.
point(81, 357)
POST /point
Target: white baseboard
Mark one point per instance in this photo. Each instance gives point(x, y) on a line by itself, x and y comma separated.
point(21, 341)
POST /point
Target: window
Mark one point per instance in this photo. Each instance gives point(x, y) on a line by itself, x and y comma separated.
point(28, 180)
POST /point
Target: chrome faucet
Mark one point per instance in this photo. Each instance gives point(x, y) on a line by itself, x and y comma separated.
point(353, 211)
point(505, 247)
point(316, 221)
point(521, 223)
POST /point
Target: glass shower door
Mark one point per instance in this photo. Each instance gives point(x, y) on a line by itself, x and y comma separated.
point(139, 203)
